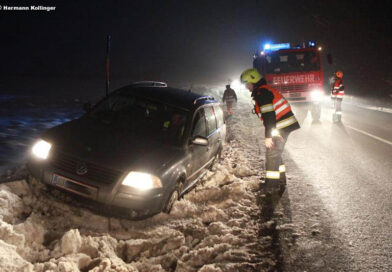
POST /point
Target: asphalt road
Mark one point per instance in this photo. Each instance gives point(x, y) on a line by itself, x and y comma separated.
point(336, 214)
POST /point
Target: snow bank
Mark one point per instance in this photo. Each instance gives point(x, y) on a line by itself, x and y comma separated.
point(11, 206)
point(10, 260)
point(8, 235)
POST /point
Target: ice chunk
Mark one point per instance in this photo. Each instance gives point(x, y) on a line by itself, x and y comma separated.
point(11, 206)
point(71, 242)
point(10, 260)
point(8, 235)
point(32, 230)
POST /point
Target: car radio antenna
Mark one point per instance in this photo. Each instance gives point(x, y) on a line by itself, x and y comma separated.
point(108, 64)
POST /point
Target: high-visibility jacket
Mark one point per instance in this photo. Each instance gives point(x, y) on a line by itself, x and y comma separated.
point(338, 88)
point(274, 110)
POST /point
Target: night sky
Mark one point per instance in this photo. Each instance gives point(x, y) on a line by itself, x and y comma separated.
point(189, 42)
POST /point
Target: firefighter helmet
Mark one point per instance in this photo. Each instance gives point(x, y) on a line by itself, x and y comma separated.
point(339, 74)
point(250, 76)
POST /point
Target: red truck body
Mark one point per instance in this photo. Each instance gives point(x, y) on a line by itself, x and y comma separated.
point(295, 72)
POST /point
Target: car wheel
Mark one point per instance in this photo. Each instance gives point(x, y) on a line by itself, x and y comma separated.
point(171, 200)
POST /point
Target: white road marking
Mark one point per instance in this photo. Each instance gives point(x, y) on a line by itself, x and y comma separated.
point(368, 107)
point(370, 135)
point(380, 109)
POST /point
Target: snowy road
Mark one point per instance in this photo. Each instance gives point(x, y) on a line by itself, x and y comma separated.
point(337, 212)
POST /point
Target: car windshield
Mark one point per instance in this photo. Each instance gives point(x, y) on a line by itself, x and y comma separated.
point(291, 62)
point(142, 117)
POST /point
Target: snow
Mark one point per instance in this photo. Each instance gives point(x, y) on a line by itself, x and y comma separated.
point(214, 227)
point(10, 260)
point(10, 204)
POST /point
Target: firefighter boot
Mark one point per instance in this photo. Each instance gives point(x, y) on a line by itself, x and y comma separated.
point(269, 203)
point(267, 207)
point(335, 118)
point(339, 116)
point(271, 185)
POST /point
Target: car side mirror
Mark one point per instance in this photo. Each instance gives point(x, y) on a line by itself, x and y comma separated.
point(199, 140)
point(330, 59)
point(87, 106)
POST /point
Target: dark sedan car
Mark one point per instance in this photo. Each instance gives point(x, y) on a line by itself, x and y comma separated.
point(140, 148)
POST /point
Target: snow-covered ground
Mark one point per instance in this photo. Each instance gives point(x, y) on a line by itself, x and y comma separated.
point(215, 227)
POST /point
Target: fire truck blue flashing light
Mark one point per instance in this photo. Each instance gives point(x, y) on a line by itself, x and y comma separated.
point(275, 47)
point(267, 46)
point(312, 44)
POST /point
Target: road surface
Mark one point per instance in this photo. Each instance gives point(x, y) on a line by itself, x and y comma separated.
point(336, 214)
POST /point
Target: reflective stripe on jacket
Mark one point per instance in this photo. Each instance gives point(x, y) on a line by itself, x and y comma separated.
point(338, 89)
point(274, 110)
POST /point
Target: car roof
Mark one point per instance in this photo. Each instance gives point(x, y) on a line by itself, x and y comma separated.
point(168, 95)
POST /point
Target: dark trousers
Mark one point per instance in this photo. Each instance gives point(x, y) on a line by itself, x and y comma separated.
point(274, 166)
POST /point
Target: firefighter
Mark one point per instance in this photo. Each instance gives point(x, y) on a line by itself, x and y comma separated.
point(229, 96)
point(337, 94)
point(275, 112)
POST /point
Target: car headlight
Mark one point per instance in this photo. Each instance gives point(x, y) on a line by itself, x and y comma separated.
point(142, 181)
point(41, 149)
point(317, 95)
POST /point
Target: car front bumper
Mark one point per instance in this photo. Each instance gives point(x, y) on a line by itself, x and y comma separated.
point(125, 201)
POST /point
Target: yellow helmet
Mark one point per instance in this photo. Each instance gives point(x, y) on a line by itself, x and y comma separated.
point(250, 76)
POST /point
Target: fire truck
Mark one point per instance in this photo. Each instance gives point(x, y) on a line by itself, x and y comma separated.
point(294, 71)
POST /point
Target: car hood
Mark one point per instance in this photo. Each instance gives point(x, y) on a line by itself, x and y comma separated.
point(90, 140)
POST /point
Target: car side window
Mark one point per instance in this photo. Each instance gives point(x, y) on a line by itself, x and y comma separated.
point(211, 121)
point(219, 116)
point(199, 127)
